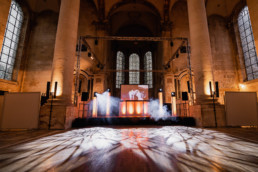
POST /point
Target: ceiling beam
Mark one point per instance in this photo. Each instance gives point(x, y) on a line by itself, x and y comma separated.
point(120, 38)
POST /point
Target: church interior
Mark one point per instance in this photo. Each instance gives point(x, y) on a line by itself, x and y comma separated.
point(134, 85)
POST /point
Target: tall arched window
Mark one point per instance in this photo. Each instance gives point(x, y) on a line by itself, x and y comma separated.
point(148, 66)
point(248, 46)
point(11, 40)
point(120, 65)
point(134, 64)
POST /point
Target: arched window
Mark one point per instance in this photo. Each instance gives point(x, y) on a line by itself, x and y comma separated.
point(134, 64)
point(148, 66)
point(11, 40)
point(248, 46)
point(120, 65)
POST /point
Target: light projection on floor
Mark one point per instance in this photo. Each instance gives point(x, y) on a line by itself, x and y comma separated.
point(133, 149)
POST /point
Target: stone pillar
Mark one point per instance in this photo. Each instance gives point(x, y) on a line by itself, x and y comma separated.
point(65, 49)
point(201, 56)
point(60, 113)
point(253, 10)
point(166, 55)
point(4, 12)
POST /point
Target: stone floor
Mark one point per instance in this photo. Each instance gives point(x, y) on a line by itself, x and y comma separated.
point(168, 148)
point(9, 138)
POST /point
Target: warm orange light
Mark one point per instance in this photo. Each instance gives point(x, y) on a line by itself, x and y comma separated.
point(146, 108)
point(58, 90)
point(242, 86)
point(108, 105)
point(123, 108)
point(130, 107)
point(160, 101)
point(94, 107)
point(139, 108)
point(173, 106)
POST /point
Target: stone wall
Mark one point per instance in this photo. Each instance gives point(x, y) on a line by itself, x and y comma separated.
point(40, 52)
point(88, 16)
point(223, 56)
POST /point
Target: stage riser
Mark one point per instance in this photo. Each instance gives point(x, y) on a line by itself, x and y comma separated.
point(84, 122)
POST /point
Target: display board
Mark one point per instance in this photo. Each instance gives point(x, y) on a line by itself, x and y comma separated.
point(134, 92)
point(241, 108)
point(20, 111)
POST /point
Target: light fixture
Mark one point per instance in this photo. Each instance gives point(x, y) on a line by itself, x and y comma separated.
point(242, 86)
point(96, 42)
point(183, 49)
point(177, 54)
point(167, 66)
point(95, 94)
point(171, 44)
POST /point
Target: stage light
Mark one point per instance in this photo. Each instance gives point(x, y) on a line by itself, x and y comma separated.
point(183, 49)
point(123, 108)
point(108, 104)
point(167, 66)
point(100, 66)
point(83, 48)
point(94, 107)
point(95, 94)
point(177, 54)
point(173, 103)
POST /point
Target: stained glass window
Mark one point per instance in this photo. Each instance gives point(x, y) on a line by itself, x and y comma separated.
point(11, 40)
point(120, 65)
point(148, 66)
point(134, 64)
point(248, 45)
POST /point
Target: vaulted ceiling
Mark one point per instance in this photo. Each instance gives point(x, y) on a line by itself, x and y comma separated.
point(161, 8)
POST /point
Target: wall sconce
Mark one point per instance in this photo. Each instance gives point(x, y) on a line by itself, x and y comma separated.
point(242, 86)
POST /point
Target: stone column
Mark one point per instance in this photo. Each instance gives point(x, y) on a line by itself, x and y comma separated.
point(60, 113)
point(201, 56)
point(65, 49)
point(4, 12)
point(253, 10)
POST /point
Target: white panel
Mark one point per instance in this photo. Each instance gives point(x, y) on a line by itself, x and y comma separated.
point(20, 111)
point(241, 108)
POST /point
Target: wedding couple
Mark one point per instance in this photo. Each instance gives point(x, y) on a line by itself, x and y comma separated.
point(137, 93)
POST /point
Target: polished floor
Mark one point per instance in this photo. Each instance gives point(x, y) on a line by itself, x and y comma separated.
point(104, 149)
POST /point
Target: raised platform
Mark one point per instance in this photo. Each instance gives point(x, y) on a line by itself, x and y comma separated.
point(84, 122)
